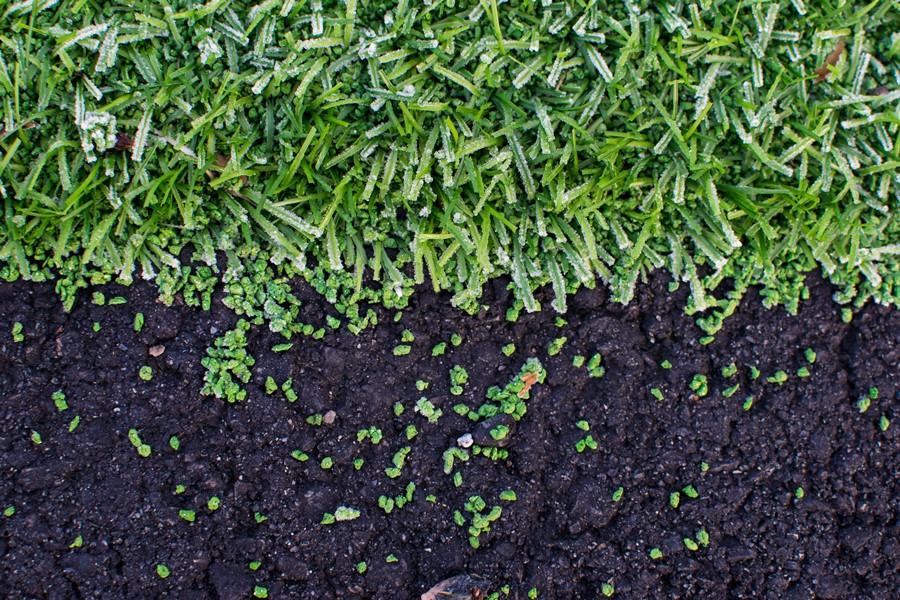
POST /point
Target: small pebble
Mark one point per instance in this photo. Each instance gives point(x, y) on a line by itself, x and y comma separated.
point(465, 441)
point(481, 435)
point(329, 417)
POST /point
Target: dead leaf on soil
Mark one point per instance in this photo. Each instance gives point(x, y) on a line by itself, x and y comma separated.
point(157, 350)
point(830, 60)
point(529, 379)
point(123, 142)
point(460, 587)
point(222, 162)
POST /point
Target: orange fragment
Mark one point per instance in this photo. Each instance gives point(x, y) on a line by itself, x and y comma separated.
point(529, 379)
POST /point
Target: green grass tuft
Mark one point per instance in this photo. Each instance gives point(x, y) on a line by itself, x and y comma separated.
point(449, 143)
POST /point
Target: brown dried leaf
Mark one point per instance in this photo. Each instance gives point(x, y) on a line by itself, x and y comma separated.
point(830, 60)
point(123, 142)
point(529, 379)
point(222, 162)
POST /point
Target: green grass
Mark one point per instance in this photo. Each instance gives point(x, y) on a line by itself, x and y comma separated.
point(371, 146)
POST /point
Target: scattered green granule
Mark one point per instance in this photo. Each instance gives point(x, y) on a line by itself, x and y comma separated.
point(595, 369)
point(779, 377)
point(59, 400)
point(143, 449)
point(428, 410)
point(228, 364)
point(343, 513)
point(810, 355)
point(556, 346)
point(587, 443)
point(699, 385)
point(458, 378)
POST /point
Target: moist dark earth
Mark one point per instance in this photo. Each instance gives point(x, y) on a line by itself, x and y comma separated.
point(564, 536)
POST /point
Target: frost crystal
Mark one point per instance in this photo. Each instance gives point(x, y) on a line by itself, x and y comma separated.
point(98, 133)
point(210, 51)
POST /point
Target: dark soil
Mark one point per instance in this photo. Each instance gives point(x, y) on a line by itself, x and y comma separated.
point(564, 535)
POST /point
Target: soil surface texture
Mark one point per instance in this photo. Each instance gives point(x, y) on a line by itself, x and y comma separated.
point(776, 489)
